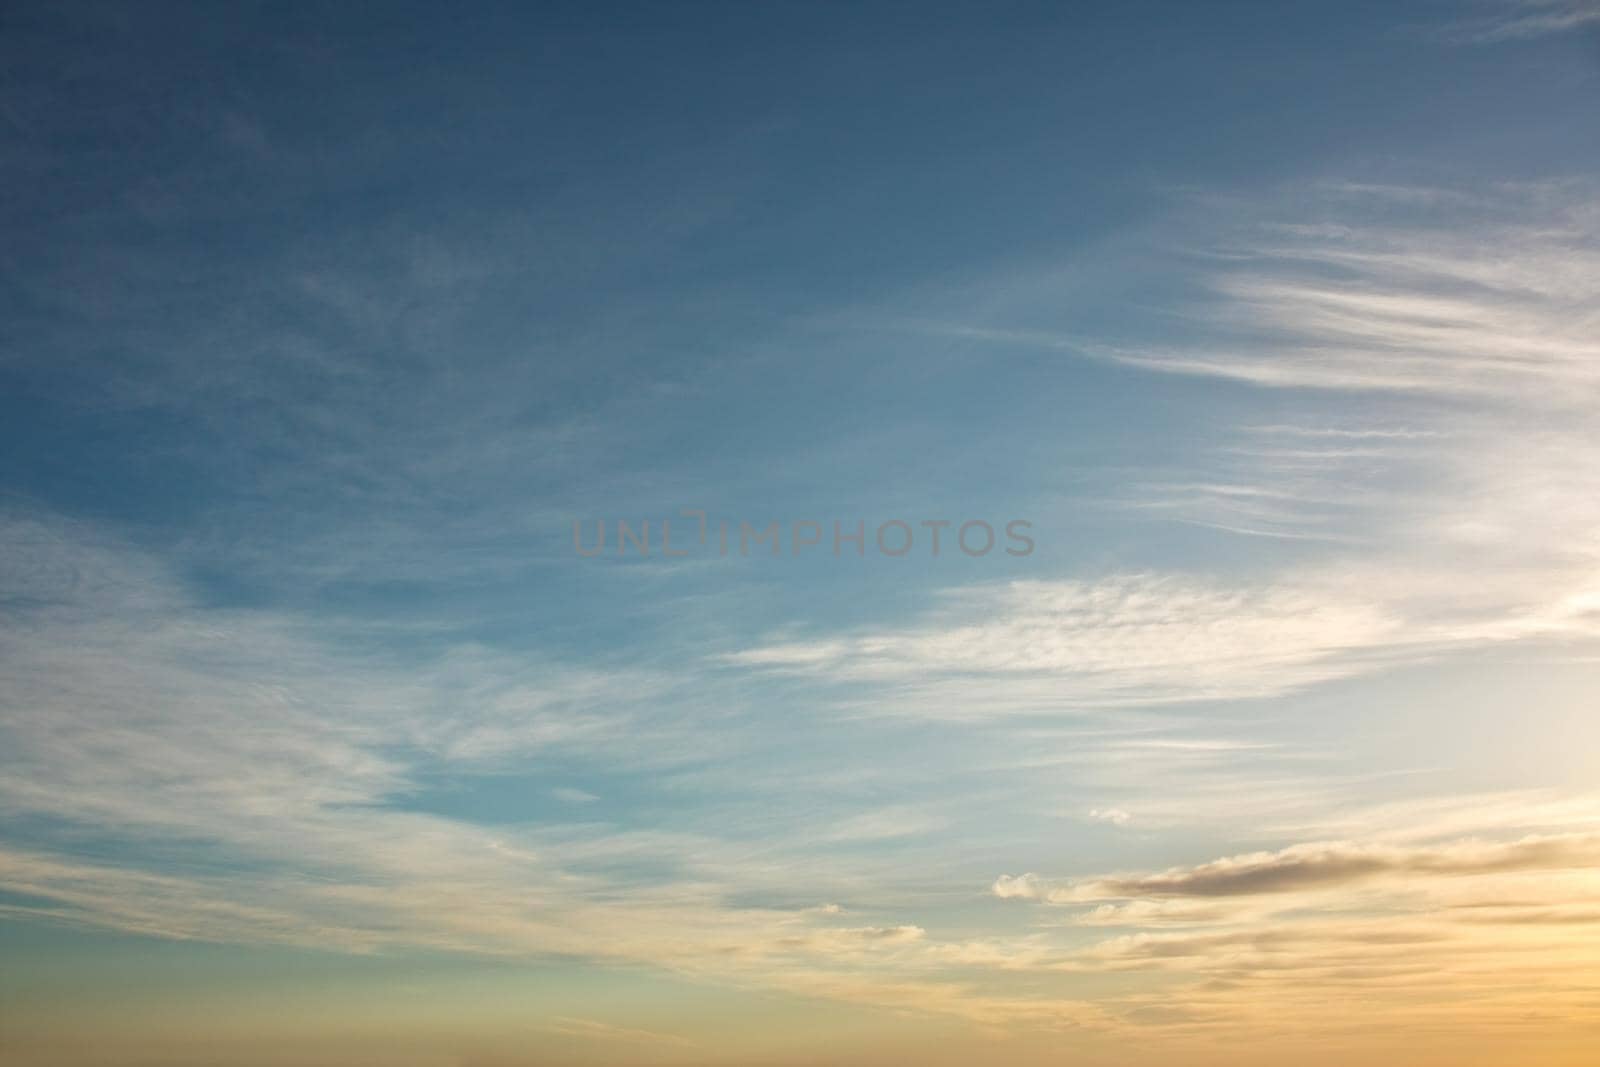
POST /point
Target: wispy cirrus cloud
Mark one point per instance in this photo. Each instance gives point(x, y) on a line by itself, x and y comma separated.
point(190, 772)
point(1513, 20)
point(1502, 307)
point(1468, 319)
point(1136, 639)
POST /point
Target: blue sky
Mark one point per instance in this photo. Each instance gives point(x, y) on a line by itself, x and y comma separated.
point(321, 326)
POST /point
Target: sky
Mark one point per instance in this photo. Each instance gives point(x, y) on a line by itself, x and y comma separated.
point(787, 534)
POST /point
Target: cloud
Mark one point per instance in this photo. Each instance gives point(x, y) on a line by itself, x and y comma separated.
point(1017, 887)
point(596, 1030)
point(1493, 298)
point(1114, 816)
point(1522, 19)
point(852, 939)
point(1467, 317)
point(192, 739)
point(883, 824)
point(245, 767)
point(1153, 913)
point(249, 777)
point(278, 774)
point(1134, 639)
point(1335, 864)
point(1258, 941)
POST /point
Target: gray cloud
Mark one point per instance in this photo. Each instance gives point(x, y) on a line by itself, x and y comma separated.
point(1308, 867)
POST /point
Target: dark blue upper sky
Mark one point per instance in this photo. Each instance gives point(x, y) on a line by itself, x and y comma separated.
point(280, 264)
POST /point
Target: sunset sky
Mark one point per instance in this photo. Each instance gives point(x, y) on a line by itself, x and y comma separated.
point(331, 334)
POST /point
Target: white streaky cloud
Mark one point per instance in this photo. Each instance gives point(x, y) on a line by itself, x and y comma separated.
point(1481, 294)
point(1155, 914)
point(1498, 307)
point(1147, 640)
point(1135, 639)
point(1510, 813)
point(254, 776)
point(1288, 511)
point(277, 772)
point(1343, 433)
point(1518, 20)
point(884, 824)
point(127, 708)
point(1456, 514)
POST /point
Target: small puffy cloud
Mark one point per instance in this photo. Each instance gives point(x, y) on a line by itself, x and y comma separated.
point(1019, 887)
point(1114, 816)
